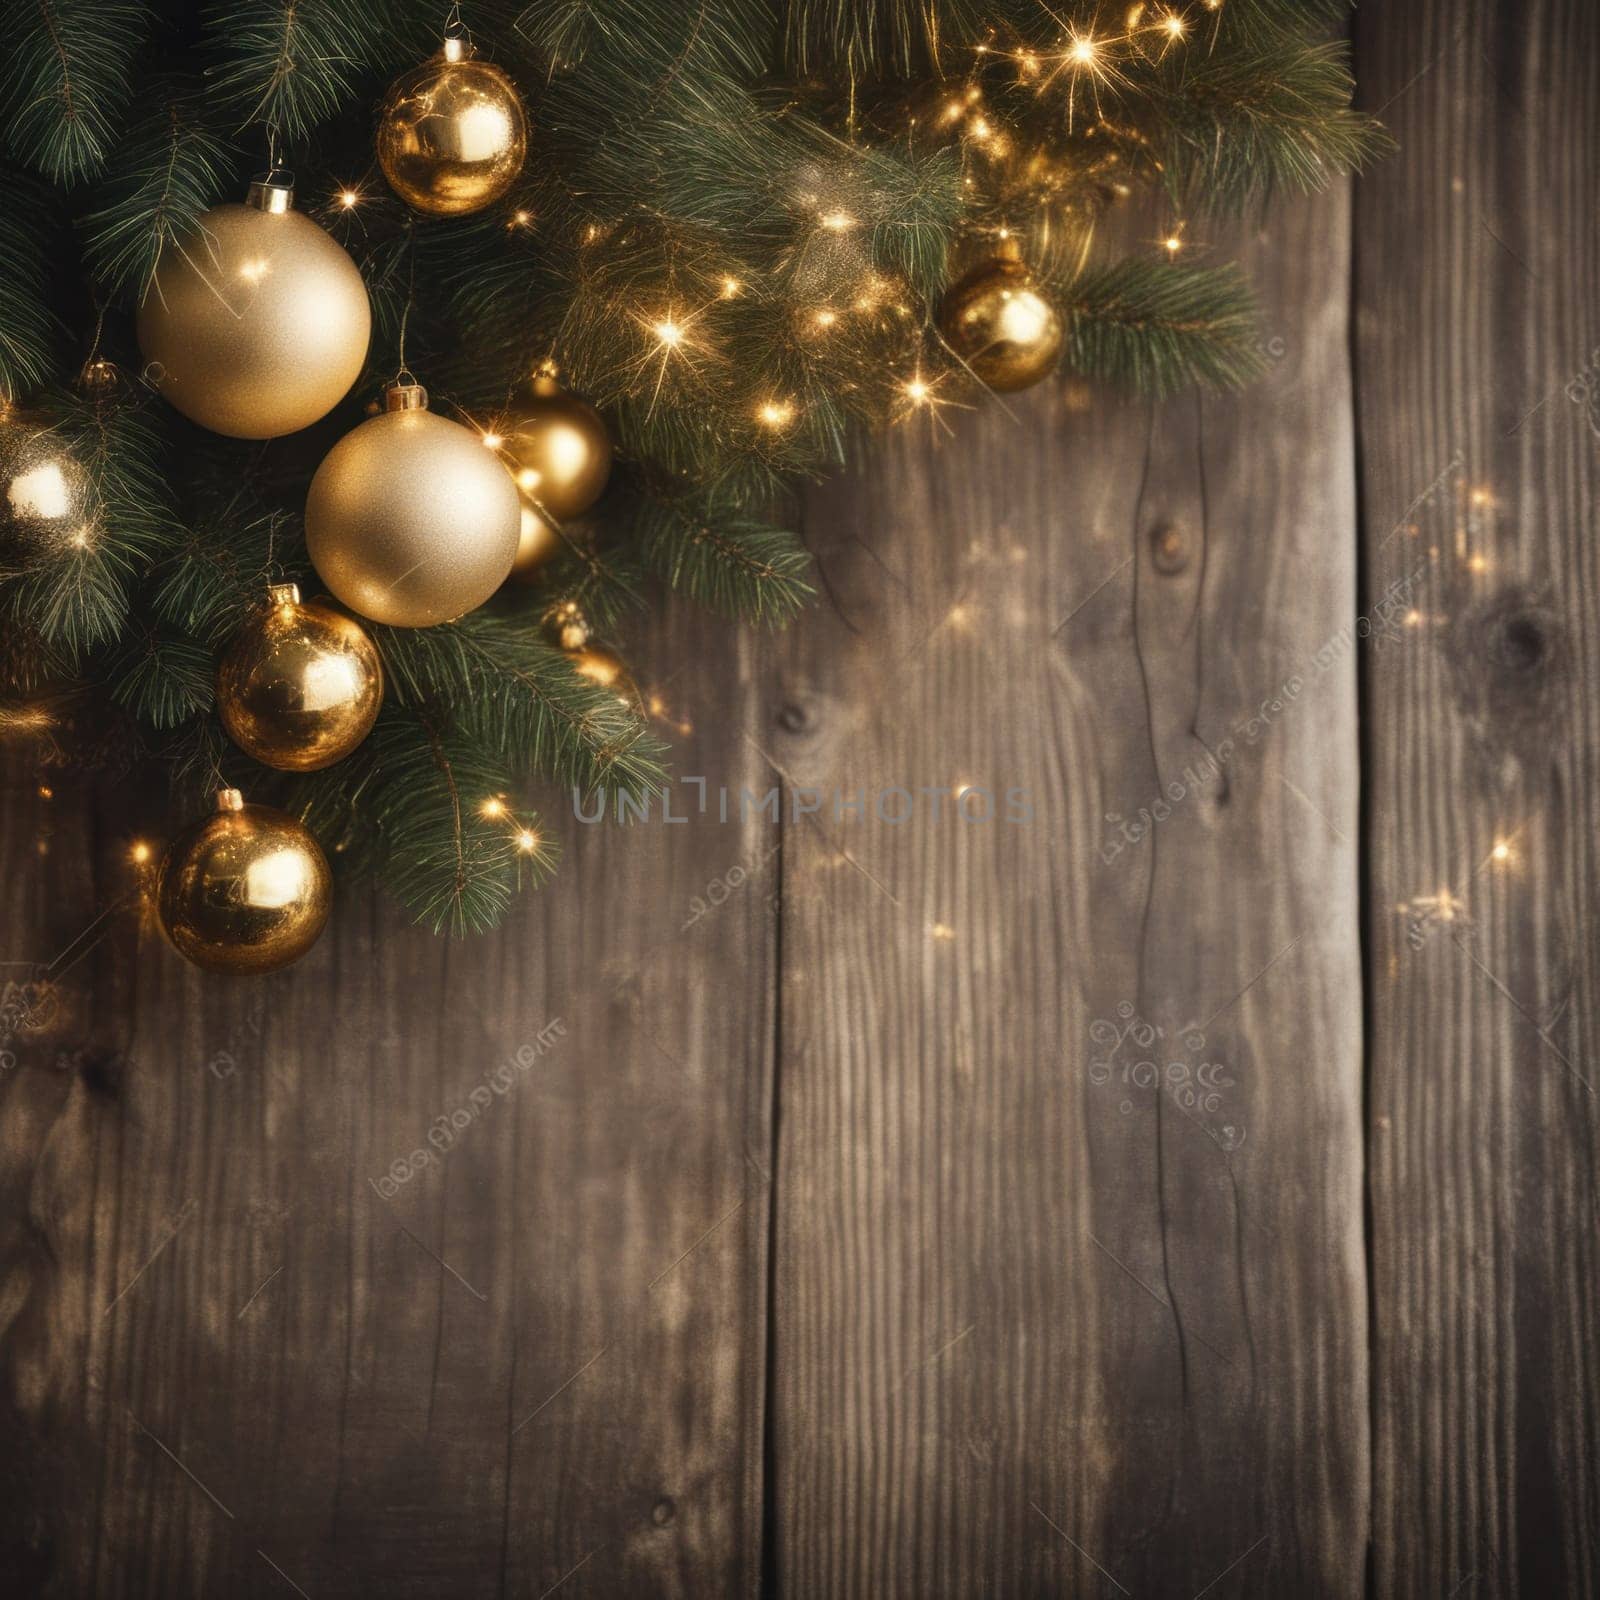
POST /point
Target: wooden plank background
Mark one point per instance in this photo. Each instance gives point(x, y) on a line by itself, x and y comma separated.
point(1478, 353)
point(1186, 1188)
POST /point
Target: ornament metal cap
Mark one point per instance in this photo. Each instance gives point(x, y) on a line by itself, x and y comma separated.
point(456, 48)
point(272, 192)
point(283, 594)
point(405, 397)
point(229, 800)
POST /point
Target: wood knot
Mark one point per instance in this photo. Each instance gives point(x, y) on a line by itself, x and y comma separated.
point(663, 1511)
point(794, 718)
point(1522, 642)
point(1169, 549)
point(1509, 661)
point(100, 1070)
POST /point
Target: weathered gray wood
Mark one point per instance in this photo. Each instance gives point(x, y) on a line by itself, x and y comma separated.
point(1036, 1332)
point(243, 1356)
point(1480, 408)
point(1039, 1327)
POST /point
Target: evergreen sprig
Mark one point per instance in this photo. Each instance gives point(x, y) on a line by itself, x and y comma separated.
point(289, 65)
point(449, 864)
point(175, 165)
point(67, 76)
point(75, 589)
point(1157, 326)
point(26, 325)
point(518, 698)
point(1266, 115)
point(735, 563)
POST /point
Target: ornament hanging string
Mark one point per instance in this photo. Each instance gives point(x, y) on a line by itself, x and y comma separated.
point(404, 372)
point(276, 172)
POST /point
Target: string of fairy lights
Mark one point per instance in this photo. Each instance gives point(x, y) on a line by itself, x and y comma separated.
point(1090, 64)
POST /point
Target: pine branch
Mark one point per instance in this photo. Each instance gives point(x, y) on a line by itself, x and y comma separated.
point(653, 45)
point(292, 64)
point(77, 591)
point(1156, 326)
point(1254, 22)
point(202, 759)
point(732, 563)
point(172, 168)
point(605, 584)
point(867, 38)
point(66, 76)
point(163, 678)
point(220, 568)
point(447, 859)
point(25, 322)
point(501, 685)
point(1242, 123)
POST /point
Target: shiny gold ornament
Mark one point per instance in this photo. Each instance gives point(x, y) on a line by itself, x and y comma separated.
point(538, 544)
point(46, 507)
point(409, 520)
point(1000, 324)
point(558, 448)
point(300, 685)
point(607, 669)
point(245, 890)
point(452, 134)
point(257, 322)
point(99, 378)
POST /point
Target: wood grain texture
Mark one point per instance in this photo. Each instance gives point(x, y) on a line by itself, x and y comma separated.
point(1040, 1327)
point(1057, 1282)
point(1480, 427)
point(247, 1353)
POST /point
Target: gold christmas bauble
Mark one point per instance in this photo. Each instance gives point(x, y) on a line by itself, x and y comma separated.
point(558, 448)
point(607, 669)
point(46, 506)
point(409, 520)
point(244, 891)
point(256, 322)
point(300, 685)
point(538, 544)
point(452, 134)
point(1000, 324)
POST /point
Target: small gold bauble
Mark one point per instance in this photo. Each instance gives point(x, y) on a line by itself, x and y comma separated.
point(558, 448)
point(256, 323)
point(245, 890)
point(452, 134)
point(46, 506)
point(538, 544)
point(607, 669)
point(997, 321)
point(409, 520)
point(300, 685)
point(99, 377)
